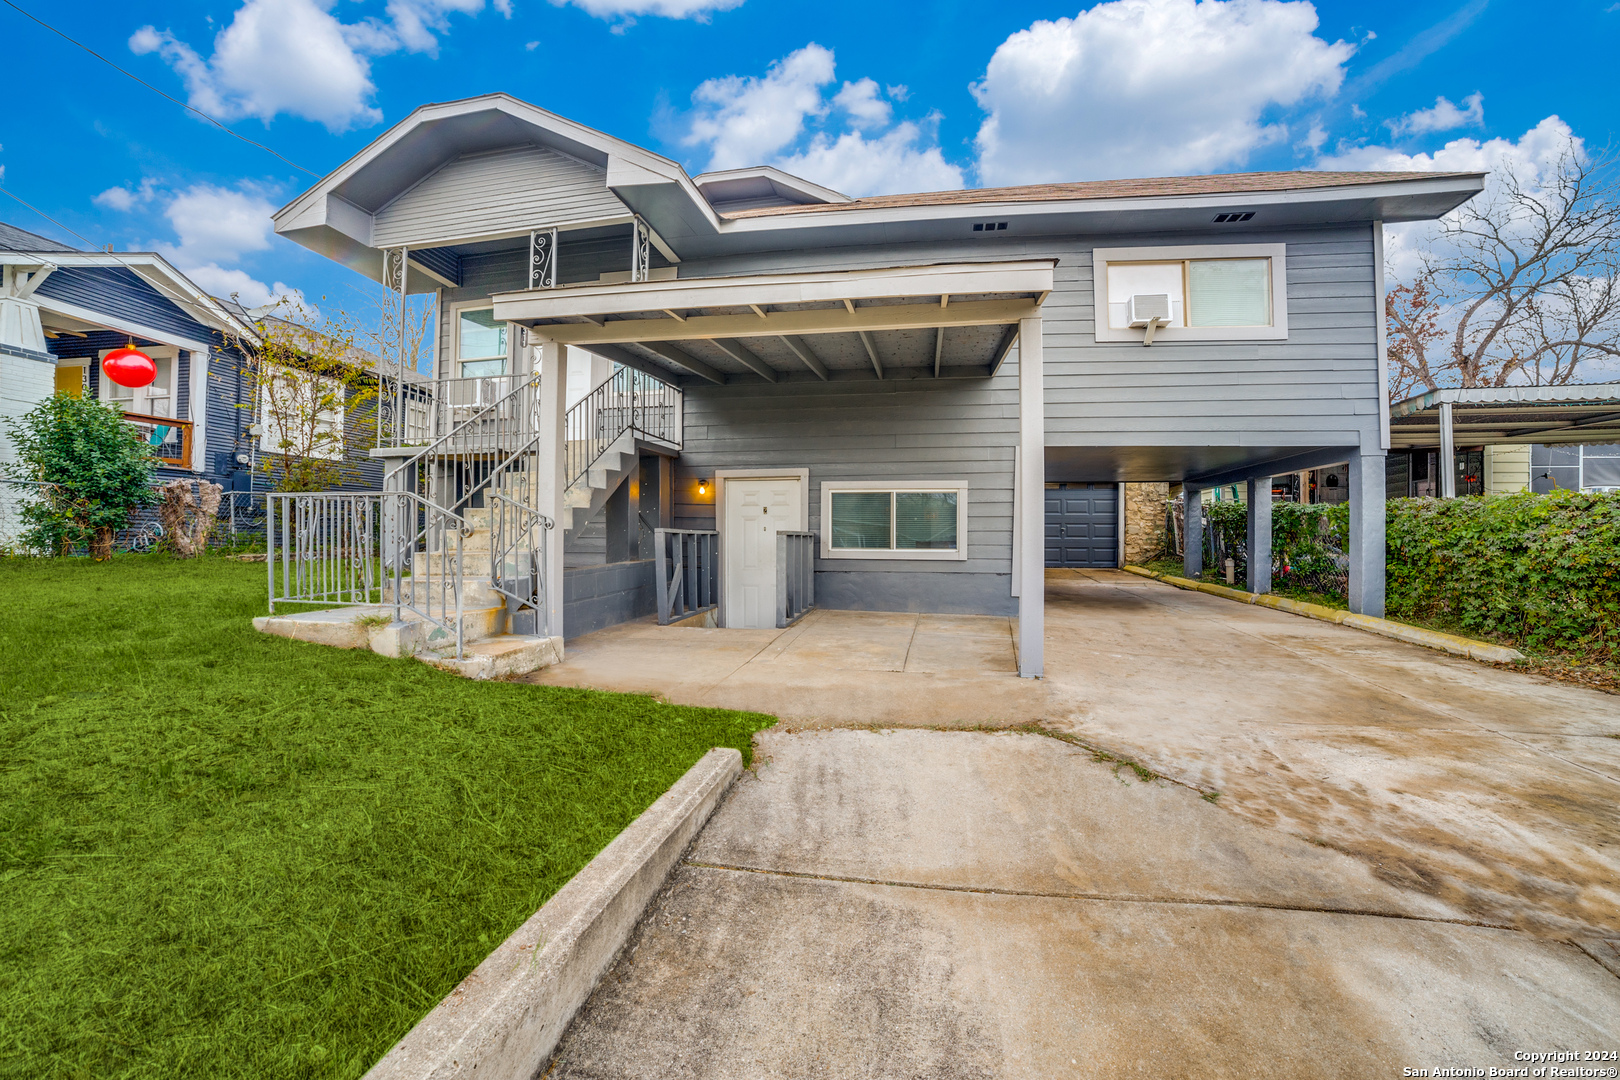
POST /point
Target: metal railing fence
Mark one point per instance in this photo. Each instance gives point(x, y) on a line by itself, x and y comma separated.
point(795, 576)
point(628, 400)
point(424, 412)
point(239, 521)
point(375, 549)
point(688, 566)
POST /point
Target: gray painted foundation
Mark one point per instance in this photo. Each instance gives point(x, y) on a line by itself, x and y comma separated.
point(596, 597)
point(932, 594)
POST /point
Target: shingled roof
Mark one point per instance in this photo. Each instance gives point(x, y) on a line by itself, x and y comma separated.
point(15, 239)
point(1227, 184)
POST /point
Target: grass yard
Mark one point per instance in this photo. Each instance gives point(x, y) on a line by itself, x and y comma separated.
point(225, 854)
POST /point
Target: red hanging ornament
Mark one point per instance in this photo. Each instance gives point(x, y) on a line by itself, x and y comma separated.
point(129, 367)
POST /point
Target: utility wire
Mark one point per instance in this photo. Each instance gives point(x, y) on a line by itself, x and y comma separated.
point(155, 90)
point(182, 300)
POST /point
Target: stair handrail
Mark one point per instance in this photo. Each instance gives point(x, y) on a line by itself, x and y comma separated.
point(484, 413)
point(628, 400)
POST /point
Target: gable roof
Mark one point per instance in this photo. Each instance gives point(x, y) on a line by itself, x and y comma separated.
point(15, 239)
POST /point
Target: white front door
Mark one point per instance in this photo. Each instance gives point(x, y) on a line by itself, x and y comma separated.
point(756, 510)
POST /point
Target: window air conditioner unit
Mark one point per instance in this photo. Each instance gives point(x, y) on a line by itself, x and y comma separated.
point(1144, 308)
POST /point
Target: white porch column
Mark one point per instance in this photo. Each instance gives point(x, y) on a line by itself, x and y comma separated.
point(1032, 501)
point(552, 360)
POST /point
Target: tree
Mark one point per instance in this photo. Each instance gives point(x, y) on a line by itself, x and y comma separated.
point(95, 469)
point(309, 380)
point(1520, 284)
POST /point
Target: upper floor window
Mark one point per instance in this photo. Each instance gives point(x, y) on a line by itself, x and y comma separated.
point(1226, 292)
point(480, 343)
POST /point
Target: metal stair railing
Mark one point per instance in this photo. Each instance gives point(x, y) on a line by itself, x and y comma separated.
point(629, 400)
point(373, 549)
point(453, 468)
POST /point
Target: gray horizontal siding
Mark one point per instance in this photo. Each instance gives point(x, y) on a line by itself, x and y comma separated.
point(504, 191)
point(913, 432)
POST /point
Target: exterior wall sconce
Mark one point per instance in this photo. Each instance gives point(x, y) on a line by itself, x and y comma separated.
point(703, 487)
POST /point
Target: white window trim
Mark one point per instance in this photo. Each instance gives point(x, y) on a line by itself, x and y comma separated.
point(455, 337)
point(1277, 253)
point(960, 487)
point(339, 423)
point(104, 385)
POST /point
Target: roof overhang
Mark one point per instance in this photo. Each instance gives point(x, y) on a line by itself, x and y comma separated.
point(151, 268)
point(955, 319)
point(1510, 414)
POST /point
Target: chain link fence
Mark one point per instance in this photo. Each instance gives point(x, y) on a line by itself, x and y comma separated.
point(238, 526)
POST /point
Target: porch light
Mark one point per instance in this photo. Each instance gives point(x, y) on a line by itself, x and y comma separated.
point(703, 487)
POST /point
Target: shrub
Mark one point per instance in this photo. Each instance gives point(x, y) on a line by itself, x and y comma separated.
point(95, 468)
point(1543, 569)
point(1308, 542)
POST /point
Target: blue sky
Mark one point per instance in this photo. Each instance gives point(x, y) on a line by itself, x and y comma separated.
point(865, 96)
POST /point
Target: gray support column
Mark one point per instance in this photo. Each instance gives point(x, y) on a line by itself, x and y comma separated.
point(1032, 500)
point(1448, 454)
point(1259, 515)
point(1367, 534)
point(1192, 533)
point(552, 361)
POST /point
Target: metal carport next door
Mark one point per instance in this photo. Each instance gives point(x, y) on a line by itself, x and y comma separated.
point(1082, 525)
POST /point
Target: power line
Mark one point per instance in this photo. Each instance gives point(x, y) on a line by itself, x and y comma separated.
point(184, 301)
point(155, 90)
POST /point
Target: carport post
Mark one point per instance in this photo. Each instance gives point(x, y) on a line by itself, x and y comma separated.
point(551, 359)
point(1448, 454)
point(1192, 532)
point(1259, 534)
point(1032, 501)
point(1366, 585)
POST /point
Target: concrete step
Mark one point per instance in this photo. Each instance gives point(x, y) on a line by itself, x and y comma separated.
point(498, 657)
point(373, 627)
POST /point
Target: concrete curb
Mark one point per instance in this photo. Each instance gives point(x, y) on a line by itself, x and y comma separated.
point(504, 1020)
point(1414, 635)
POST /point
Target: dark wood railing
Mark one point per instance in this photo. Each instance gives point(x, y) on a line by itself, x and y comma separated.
point(169, 438)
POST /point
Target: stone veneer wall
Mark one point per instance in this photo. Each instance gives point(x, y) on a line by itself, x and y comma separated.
point(1144, 521)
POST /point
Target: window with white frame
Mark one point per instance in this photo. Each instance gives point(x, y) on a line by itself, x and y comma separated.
point(480, 343)
point(1221, 292)
point(301, 414)
point(886, 521)
point(156, 398)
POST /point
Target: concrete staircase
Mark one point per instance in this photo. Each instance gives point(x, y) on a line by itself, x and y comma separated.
point(586, 497)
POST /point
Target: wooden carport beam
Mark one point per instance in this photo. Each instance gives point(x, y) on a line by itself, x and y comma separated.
point(802, 321)
point(741, 353)
point(683, 359)
point(801, 349)
point(620, 355)
point(871, 350)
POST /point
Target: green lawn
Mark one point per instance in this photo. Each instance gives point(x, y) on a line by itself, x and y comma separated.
point(225, 854)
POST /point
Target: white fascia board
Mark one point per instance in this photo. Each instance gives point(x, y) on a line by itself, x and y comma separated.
point(1033, 276)
point(122, 326)
point(1214, 201)
point(779, 179)
point(153, 269)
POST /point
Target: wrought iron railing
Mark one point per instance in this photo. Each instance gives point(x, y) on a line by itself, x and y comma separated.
point(376, 549)
point(688, 573)
point(519, 537)
point(629, 400)
point(428, 411)
point(795, 576)
point(455, 467)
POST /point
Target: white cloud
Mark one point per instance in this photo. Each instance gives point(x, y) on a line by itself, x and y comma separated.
point(743, 120)
point(123, 199)
point(858, 149)
point(248, 290)
point(669, 9)
point(1144, 87)
point(1443, 117)
point(296, 57)
point(861, 100)
point(1533, 157)
point(899, 160)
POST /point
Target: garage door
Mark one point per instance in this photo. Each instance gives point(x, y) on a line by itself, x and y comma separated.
point(1082, 525)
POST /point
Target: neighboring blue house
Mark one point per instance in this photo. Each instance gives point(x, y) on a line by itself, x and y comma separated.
point(62, 310)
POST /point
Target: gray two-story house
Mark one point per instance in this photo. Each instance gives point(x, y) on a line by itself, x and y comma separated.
point(920, 390)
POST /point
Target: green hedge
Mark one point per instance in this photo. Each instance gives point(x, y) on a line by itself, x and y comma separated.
point(1307, 542)
point(1543, 569)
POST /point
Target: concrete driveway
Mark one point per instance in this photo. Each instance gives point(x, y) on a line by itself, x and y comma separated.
point(1492, 791)
point(966, 904)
